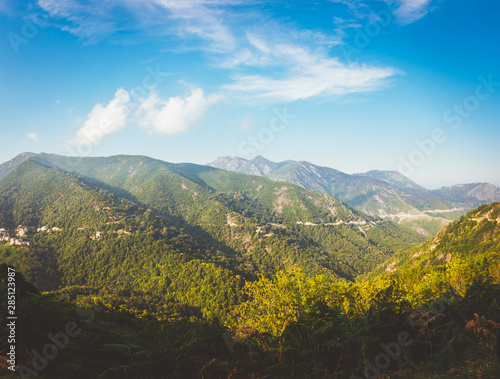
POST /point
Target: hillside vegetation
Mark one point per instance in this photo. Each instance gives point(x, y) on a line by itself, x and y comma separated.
point(180, 270)
point(386, 194)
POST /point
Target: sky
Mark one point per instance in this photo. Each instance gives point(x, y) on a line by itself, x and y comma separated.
point(407, 85)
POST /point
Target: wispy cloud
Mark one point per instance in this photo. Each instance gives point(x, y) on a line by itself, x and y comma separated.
point(245, 45)
point(304, 75)
point(87, 20)
point(176, 114)
point(104, 120)
point(203, 19)
point(406, 11)
point(409, 11)
point(186, 18)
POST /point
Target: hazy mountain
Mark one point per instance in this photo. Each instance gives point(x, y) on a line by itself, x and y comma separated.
point(469, 195)
point(257, 166)
point(8, 166)
point(387, 194)
point(395, 179)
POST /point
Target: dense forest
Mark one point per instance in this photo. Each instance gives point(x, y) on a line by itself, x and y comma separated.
point(127, 267)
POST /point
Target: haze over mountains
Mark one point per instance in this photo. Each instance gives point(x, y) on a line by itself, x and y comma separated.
point(386, 194)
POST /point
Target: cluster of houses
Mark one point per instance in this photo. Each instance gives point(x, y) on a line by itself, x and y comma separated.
point(4, 235)
point(21, 232)
point(48, 230)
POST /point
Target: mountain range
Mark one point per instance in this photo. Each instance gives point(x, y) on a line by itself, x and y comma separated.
point(386, 194)
point(69, 218)
point(184, 270)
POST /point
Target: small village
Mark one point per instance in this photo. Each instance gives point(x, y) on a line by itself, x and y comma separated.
point(20, 232)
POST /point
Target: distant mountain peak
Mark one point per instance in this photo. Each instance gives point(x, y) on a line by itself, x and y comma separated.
point(8, 166)
point(260, 158)
point(393, 178)
point(387, 194)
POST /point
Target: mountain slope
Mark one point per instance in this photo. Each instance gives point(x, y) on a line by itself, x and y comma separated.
point(7, 167)
point(257, 166)
point(476, 234)
point(199, 195)
point(386, 194)
point(156, 246)
point(469, 195)
point(120, 213)
point(395, 179)
point(74, 232)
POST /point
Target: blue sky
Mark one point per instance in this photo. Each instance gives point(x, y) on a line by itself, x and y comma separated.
point(408, 85)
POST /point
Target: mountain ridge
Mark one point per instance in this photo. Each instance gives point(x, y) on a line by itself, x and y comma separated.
point(245, 223)
point(156, 244)
point(387, 194)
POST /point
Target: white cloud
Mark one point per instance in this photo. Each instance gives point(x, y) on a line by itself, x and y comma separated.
point(278, 63)
point(152, 114)
point(85, 20)
point(176, 114)
point(267, 59)
point(406, 11)
point(305, 75)
point(186, 18)
point(203, 19)
point(409, 11)
point(104, 120)
point(33, 136)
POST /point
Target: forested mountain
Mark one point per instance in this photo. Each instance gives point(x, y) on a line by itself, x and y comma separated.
point(181, 270)
point(166, 227)
point(475, 236)
point(386, 194)
point(147, 309)
point(7, 167)
point(65, 230)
